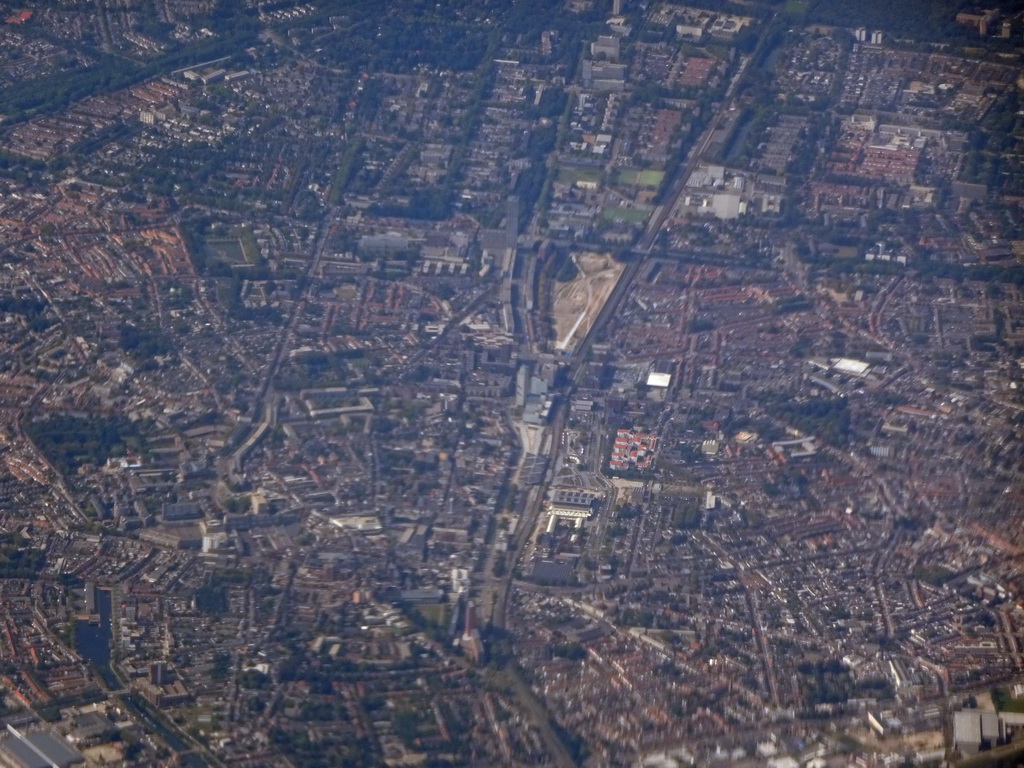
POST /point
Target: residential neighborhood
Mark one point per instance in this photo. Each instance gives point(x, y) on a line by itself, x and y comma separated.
point(530, 383)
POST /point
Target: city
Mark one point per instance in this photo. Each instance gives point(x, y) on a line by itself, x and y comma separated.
point(492, 383)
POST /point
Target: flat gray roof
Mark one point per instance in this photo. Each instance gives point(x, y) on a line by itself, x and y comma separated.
point(40, 750)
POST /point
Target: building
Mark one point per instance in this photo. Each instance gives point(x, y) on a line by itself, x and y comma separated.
point(691, 30)
point(889, 162)
point(38, 749)
point(983, 21)
point(570, 505)
point(89, 725)
point(604, 76)
point(460, 581)
point(181, 512)
point(547, 42)
point(532, 395)
point(166, 694)
point(214, 540)
point(367, 524)
point(633, 450)
point(661, 374)
point(850, 366)
point(90, 598)
point(607, 46)
point(470, 641)
point(974, 728)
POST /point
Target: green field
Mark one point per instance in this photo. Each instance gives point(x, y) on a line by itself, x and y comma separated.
point(238, 248)
point(629, 178)
point(436, 614)
point(250, 248)
point(1006, 703)
point(572, 175)
point(227, 249)
point(632, 215)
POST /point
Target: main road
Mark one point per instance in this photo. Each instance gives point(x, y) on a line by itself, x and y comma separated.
point(655, 225)
point(266, 400)
point(499, 589)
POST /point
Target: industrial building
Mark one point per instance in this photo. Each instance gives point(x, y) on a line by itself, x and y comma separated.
point(38, 749)
point(975, 729)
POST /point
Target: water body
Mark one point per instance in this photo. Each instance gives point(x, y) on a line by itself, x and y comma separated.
point(93, 640)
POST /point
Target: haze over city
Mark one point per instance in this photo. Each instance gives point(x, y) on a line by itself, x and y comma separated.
point(511, 383)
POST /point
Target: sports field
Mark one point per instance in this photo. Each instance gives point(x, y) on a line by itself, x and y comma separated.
point(572, 175)
point(634, 178)
point(632, 215)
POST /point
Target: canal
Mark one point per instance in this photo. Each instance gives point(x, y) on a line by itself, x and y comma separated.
point(94, 642)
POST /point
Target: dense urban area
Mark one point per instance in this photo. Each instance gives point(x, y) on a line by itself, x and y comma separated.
point(512, 383)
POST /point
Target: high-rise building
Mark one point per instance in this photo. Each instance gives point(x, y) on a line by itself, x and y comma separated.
point(460, 580)
point(470, 640)
point(547, 42)
point(607, 46)
point(156, 672)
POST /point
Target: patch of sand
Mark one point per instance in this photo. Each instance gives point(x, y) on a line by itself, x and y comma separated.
point(919, 741)
point(577, 303)
point(104, 754)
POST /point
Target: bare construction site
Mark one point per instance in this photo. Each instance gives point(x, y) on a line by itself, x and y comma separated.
point(577, 303)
